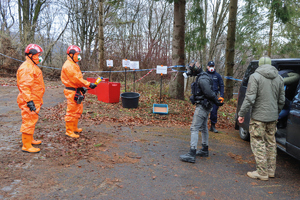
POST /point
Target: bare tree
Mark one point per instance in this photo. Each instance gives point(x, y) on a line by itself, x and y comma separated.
point(29, 12)
point(101, 36)
point(220, 11)
point(5, 14)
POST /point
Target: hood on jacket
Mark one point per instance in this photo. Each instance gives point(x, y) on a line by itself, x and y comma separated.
point(268, 71)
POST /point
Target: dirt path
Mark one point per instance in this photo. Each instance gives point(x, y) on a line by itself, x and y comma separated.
point(115, 161)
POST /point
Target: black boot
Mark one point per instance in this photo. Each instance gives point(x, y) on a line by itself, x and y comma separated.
point(189, 157)
point(213, 128)
point(203, 152)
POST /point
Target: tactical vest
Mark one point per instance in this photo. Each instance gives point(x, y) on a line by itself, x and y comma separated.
point(195, 89)
point(198, 96)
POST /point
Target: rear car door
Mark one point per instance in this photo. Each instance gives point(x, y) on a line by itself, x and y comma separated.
point(293, 127)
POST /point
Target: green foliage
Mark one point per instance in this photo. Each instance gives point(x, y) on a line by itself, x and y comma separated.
point(194, 36)
point(98, 145)
point(253, 28)
point(283, 14)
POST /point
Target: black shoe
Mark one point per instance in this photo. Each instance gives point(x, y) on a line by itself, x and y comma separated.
point(189, 157)
point(213, 128)
point(203, 152)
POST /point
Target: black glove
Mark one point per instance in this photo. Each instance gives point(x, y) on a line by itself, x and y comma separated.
point(31, 106)
point(219, 103)
point(192, 99)
point(84, 90)
point(93, 85)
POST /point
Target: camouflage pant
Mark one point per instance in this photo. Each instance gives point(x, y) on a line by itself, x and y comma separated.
point(263, 145)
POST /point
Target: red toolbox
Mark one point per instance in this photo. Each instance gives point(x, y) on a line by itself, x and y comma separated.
point(108, 92)
point(92, 80)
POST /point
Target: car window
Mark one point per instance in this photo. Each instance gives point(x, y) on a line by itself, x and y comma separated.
point(296, 100)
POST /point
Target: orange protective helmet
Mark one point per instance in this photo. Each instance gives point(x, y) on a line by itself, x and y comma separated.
point(73, 49)
point(33, 49)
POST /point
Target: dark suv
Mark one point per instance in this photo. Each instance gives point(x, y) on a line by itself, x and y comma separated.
point(287, 137)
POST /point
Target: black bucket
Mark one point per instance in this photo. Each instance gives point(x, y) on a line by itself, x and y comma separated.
point(130, 99)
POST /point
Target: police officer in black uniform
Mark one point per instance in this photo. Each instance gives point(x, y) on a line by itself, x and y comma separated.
point(218, 87)
point(204, 97)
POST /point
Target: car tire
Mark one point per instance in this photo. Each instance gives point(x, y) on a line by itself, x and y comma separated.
point(245, 135)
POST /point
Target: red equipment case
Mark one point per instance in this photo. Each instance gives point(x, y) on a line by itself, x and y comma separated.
point(108, 92)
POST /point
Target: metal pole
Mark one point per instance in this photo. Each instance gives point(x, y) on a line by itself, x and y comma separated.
point(160, 88)
point(109, 73)
point(133, 80)
point(125, 79)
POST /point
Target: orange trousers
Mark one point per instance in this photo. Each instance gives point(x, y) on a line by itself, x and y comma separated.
point(29, 118)
point(74, 110)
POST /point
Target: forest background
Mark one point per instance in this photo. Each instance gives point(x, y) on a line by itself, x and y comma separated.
point(153, 32)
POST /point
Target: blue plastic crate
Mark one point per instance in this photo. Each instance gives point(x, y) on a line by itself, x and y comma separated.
point(160, 109)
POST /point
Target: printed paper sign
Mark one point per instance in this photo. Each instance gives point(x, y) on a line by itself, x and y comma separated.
point(134, 65)
point(126, 63)
point(109, 63)
point(161, 69)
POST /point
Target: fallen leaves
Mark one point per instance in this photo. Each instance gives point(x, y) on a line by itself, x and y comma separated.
point(98, 112)
point(239, 158)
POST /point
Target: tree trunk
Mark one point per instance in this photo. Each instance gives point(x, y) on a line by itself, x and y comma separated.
point(204, 61)
point(230, 49)
point(271, 32)
point(176, 89)
point(101, 36)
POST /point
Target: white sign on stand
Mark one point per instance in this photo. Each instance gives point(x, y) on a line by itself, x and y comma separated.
point(161, 69)
point(134, 65)
point(109, 63)
point(125, 63)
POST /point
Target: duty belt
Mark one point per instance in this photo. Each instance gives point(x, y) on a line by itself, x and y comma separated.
point(70, 88)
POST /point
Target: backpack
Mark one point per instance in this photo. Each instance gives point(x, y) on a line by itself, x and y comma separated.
point(195, 90)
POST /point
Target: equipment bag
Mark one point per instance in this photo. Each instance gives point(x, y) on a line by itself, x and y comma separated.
point(79, 97)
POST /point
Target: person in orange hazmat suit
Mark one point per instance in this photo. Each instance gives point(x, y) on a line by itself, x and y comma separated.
point(30, 99)
point(72, 78)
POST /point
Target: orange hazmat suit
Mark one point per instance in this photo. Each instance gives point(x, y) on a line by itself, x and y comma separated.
point(71, 77)
point(31, 86)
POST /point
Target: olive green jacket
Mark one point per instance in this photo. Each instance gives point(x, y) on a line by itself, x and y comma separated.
point(265, 94)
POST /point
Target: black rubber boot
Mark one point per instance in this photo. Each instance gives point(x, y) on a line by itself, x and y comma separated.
point(203, 152)
point(213, 128)
point(189, 157)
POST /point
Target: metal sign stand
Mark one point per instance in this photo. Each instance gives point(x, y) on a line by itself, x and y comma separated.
point(160, 108)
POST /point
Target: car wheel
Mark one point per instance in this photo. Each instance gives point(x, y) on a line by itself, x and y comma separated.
point(244, 134)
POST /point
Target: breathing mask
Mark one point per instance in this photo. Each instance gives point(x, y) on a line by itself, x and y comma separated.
point(40, 59)
point(211, 69)
point(193, 68)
